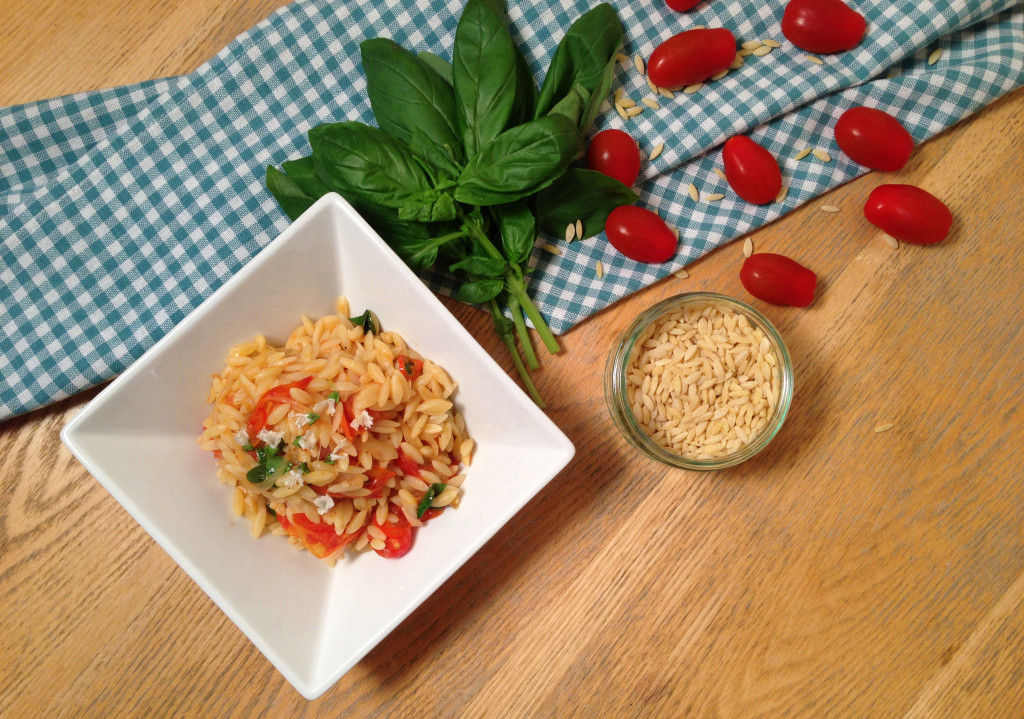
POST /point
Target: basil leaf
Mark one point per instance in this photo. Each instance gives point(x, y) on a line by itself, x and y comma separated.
point(572, 105)
point(303, 173)
point(361, 161)
point(440, 158)
point(435, 489)
point(292, 199)
point(484, 74)
point(481, 266)
point(479, 291)
point(518, 230)
point(519, 161)
point(406, 94)
point(430, 206)
point(526, 93)
point(585, 56)
point(580, 195)
point(438, 64)
point(257, 474)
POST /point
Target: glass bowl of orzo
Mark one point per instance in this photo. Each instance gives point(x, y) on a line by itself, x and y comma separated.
point(699, 381)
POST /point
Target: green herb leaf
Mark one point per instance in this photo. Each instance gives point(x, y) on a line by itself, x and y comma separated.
point(257, 474)
point(313, 417)
point(361, 161)
point(296, 442)
point(247, 447)
point(572, 105)
point(438, 64)
point(518, 230)
point(585, 56)
point(481, 266)
point(479, 291)
point(304, 468)
point(429, 206)
point(428, 498)
point(368, 321)
point(335, 396)
point(484, 74)
point(288, 194)
point(580, 195)
point(406, 94)
point(526, 93)
point(439, 157)
point(519, 162)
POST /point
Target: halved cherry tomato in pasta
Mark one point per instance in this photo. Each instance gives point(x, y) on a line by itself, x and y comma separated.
point(379, 477)
point(410, 368)
point(778, 279)
point(822, 26)
point(408, 464)
point(640, 234)
point(874, 138)
point(909, 214)
point(266, 403)
point(690, 57)
point(319, 538)
point(397, 534)
point(614, 153)
point(751, 170)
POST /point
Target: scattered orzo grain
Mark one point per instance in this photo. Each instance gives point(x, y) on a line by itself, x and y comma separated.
point(720, 172)
point(634, 111)
point(772, 43)
point(570, 232)
point(694, 192)
point(748, 247)
point(745, 52)
point(884, 427)
point(829, 208)
point(599, 269)
point(651, 103)
point(821, 155)
point(681, 274)
point(622, 58)
point(656, 151)
point(751, 44)
point(815, 59)
point(622, 112)
point(650, 84)
point(690, 89)
point(719, 75)
point(783, 191)
point(627, 102)
point(667, 94)
point(703, 382)
point(638, 63)
point(934, 57)
point(802, 154)
point(891, 241)
point(713, 197)
point(737, 62)
point(579, 229)
point(762, 51)
point(548, 247)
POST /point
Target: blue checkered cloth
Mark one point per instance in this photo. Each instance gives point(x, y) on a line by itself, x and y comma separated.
point(121, 210)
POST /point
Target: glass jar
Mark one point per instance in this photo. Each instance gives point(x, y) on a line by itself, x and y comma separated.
point(624, 351)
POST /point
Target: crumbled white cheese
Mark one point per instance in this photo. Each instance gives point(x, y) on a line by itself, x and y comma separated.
point(323, 503)
point(363, 421)
point(340, 451)
point(291, 480)
point(308, 441)
point(271, 437)
point(301, 419)
point(242, 437)
point(325, 406)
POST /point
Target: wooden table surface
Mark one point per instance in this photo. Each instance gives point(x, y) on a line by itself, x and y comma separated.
point(841, 573)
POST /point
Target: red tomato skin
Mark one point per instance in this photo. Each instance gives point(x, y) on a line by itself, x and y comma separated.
point(778, 279)
point(909, 214)
point(691, 56)
point(640, 234)
point(751, 170)
point(614, 153)
point(823, 26)
point(682, 5)
point(874, 138)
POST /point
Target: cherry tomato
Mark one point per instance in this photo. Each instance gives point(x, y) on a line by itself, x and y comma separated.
point(397, 535)
point(319, 538)
point(273, 396)
point(614, 153)
point(410, 368)
point(408, 464)
point(691, 56)
point(822, 26)
point(909, 214)
point(682, 5)
point(874, 138)
point(640, 234)
point(778, 279)
point(751, 170)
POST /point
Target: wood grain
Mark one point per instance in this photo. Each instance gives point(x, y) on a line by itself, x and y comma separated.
point(842, 573)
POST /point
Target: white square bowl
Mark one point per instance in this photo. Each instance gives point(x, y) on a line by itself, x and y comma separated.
point(138, 438)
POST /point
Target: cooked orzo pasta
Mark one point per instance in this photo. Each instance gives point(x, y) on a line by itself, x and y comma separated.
point(345, 437)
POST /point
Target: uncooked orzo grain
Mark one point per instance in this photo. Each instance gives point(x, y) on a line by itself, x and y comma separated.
point(703, 382)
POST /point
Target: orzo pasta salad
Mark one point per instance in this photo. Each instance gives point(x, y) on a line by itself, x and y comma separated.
point(345, 437)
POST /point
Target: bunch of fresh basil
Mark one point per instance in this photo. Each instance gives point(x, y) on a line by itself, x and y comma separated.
point(469, 161)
